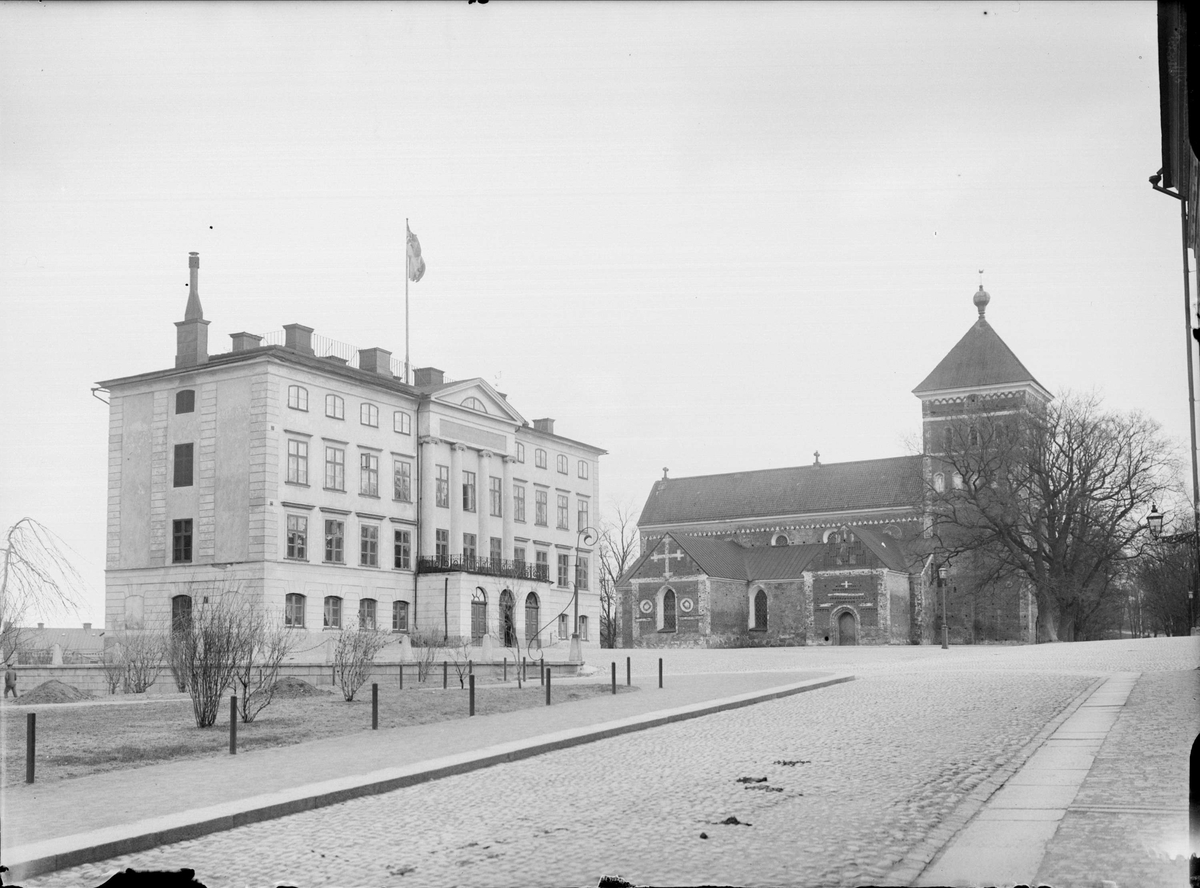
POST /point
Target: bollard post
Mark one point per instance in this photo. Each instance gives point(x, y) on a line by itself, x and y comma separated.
point(660, 672)
point(541, 672)
point(374, 706)
point(470, 667)
point(506, 668)
point(445, 675)
point(30, 744)
point(614, 676)
point(629, 672)
point(524, 674)
point(471, 679)
point(333, 675)
point(547, 685)
point(401, 676)
point(233, 725)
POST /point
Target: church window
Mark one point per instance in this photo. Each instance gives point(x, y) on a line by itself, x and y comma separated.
point(939, 482)
point(666, 611)
point(973, 437)
point(781, 539)
point(948, 440)
point(958, 481)
point(760, 611)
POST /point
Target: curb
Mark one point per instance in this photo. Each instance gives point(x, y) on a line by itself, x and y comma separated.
point(55, 854)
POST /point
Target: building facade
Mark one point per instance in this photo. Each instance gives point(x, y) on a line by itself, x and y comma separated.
point(829, 553)
point(331, 492)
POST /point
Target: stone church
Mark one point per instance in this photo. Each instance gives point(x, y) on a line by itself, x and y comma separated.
point(827, 553)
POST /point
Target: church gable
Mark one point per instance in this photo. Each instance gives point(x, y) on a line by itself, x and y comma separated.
point(666, 560)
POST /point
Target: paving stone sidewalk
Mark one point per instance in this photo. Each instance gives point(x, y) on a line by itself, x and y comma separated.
point(103, 809)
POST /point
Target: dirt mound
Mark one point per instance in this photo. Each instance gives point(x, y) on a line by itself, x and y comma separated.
point(54, 691)
point(296, 687)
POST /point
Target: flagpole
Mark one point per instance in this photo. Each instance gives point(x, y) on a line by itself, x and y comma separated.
point(406, 300)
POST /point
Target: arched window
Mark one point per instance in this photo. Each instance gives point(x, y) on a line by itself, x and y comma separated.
point(533, 616)
point(181, 613)
point(666, 611)
point(939, 482)
point(958, 481)
point(478, 615)
point(293, 614)
point(948, 440)
point(973, 437)
point(508, 619)
point(366, 613)
point(399, 616)
point(333, 612)
point(781, 539)
point(760, 611)
point(475, 404)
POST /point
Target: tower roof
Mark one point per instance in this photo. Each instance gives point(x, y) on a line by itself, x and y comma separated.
point(981, 358)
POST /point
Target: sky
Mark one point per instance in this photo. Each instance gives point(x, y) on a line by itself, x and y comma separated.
point(711, 237)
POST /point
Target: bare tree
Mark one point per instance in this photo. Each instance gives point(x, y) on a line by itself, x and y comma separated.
point(618, 550)
point(1051, 495)
point(142, 653)
point(354, 657)
point(35, 576)
point(1166, 573)
point(206, 649)
point(424, 648)
point(459, 649)
point(257, 670)
point(114, 668)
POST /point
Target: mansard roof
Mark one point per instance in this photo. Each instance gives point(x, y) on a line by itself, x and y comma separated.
point(817, 489)
point(981, 358)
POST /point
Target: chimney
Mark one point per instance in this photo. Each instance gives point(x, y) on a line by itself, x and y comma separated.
point(41, 625)
point(298, 338)
point(544, 425)
point(87, 625)
point(191, 334)
point(245, 341)
point(375, 360)
point(423, 376)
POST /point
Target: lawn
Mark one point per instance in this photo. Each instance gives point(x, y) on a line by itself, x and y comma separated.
point(75, 740)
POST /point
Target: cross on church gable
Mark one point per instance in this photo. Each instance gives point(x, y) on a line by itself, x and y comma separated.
point(846, 584)
point(666, 557)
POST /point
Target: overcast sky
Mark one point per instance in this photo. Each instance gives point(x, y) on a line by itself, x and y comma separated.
point(713, 237)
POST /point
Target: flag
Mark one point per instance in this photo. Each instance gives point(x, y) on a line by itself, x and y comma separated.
point(416, 265)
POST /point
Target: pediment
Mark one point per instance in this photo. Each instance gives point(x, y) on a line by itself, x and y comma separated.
point(477, 396)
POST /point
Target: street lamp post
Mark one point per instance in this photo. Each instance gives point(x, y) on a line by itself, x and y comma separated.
point(586, 535)
point(941, 581)
point(1154, 521)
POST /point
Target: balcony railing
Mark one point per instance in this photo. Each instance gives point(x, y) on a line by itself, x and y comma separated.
point(492, 567)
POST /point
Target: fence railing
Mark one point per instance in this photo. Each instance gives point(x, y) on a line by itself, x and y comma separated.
point(324, 347)
point(492, 567)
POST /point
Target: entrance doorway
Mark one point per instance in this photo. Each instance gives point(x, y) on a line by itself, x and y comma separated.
point(847, 629)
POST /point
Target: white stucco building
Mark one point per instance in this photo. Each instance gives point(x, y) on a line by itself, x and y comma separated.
point(312, 480)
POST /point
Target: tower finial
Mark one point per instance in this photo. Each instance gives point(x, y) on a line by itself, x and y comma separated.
point(981, 298)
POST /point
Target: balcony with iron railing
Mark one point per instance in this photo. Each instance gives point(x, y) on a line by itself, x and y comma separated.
point(492, 567)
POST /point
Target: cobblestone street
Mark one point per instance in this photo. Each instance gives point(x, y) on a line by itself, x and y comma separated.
point(856, 775)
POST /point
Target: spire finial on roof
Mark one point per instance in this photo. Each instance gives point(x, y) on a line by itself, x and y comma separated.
point(816, 457)
point(981, 297)
point(664, 473)
point(193, 312)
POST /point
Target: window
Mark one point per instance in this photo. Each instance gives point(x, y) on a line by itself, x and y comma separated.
point(469, 547)
point(181, 613)
point(402, 422)
point(402, 480)
point(583, 629)
point(540, 507)
point(185, 401)
point(368, 550)
point(520, 452)
point(335, 537)
point(496, 550)
point(298, 397)
point(333, 612)
point(563, 568)
point(583, 514)
point(293, 612)
point(958, 481)
point(403, 556)
point(532, 616)
point(442, 545)
point(399, 616)
point(542, 565)
point(468, 492)
point(563, 508)
point(478, 616)
point(366, 613)
point(581, 572)
point(297, 537)
point(666, 613)
point(181, 541)
point(562, 464)
point(760, 611)
point(335, 407)
point(519, 503)
point(519, 555)
point(539, 458)
point(583, 468)
point(562, 625)
point(183, 465)
point(474, 404)
point(368, 415)
point(496, 496)
point(335, 468)
point(939, 482)
point(508, 619)
point(781, 539)
point(297, 466)
point(368, 474)
point(973, 437)
point(948, 439)
point(443, 487)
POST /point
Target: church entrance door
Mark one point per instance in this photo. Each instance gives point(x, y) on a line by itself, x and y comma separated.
point(846, 629)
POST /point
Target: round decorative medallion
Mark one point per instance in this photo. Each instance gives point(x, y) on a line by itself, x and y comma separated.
point(646, 606)
point(686, 605)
